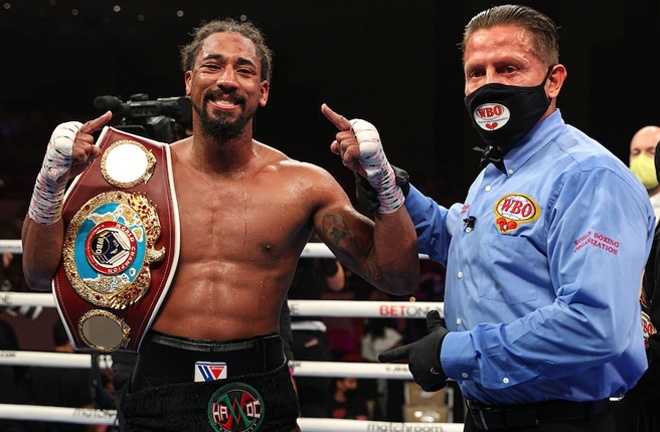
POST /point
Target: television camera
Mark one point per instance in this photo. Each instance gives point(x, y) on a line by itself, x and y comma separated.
point(161, 119)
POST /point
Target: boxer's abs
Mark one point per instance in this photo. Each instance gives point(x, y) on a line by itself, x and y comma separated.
point(201, 306)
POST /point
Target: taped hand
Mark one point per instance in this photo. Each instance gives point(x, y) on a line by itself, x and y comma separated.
point(424, 355)
point(367, 196)
point(358, 144)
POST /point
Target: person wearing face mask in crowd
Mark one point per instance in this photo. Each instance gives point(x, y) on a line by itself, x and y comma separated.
point(642, 153)
point(544, 256)
point(639, 409)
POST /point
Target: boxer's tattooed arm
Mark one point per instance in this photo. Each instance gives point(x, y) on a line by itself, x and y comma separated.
point(341, 240)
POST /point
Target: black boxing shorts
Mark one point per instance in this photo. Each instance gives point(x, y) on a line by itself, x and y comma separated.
point(182, 384)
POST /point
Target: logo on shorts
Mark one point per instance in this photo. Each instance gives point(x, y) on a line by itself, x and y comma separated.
point(210, 371)
point(236, 407)
point(513, 210)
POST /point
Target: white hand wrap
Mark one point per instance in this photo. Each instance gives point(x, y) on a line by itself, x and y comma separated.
point(46, 204)
point(379, 172)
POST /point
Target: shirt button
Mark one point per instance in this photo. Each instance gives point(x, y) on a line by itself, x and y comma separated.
point(487, 188)
point(510, 171)
point(460, 275)
point(458, 321)
point(468, 229)
point(465, 375)
point(505, 380)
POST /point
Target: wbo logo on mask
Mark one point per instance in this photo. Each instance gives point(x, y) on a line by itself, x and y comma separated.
point(491, 116)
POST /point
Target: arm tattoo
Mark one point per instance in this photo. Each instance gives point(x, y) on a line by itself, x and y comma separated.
point(339, 235)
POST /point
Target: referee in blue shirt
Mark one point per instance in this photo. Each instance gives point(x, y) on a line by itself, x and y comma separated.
point(545, 256)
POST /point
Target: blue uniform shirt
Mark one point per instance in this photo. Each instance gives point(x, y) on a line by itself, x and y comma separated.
point(542, 287)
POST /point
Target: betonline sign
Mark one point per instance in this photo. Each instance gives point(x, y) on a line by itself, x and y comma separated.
point(406, 311)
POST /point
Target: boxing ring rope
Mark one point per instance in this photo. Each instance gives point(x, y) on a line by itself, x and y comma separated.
point(301, 367)
point(13, 246)
point(330, 308)
point(311, 250)
point(107, 417)
point(335, 308)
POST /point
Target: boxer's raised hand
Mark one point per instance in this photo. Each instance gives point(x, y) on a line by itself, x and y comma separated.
point(358, 144)
point(70, 149)
point(84, 151)
point(345, 144)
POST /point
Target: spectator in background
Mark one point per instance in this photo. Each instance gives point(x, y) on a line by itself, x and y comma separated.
point(61, 387)
point(431, 281)
point(5, 283)
point(9, 275)
point(345, 402)
point(8, 388)
point(12, 378)
point(379, 335)
point(642, 153)
point(639, 409)
point(310, 340)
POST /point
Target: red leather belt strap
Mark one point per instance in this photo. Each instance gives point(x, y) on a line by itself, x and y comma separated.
point(121, 244)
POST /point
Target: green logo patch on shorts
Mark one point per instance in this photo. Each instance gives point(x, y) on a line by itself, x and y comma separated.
point(236, 407)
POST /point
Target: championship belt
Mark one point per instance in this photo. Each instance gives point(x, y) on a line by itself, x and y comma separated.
point(121, 244)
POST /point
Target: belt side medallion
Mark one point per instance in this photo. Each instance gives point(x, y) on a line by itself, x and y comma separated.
point(127, 163)
point(103, 330)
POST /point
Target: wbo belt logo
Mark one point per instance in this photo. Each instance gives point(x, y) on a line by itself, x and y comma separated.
point(111, 247)
point(513, 210)
point(236, 407)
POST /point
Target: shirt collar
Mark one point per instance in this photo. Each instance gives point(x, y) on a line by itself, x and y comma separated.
point(544, 132)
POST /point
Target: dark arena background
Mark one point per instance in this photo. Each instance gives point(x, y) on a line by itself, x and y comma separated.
point(394, 63)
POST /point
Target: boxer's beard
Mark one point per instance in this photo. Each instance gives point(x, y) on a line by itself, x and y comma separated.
point(221, 127)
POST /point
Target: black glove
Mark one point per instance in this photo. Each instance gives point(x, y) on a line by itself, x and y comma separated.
point(424, 355)
point(367, 195)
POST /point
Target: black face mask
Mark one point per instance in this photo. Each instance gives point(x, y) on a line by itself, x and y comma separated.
point(504, 114)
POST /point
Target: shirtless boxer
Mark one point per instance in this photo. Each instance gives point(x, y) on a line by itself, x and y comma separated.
point(246, 213)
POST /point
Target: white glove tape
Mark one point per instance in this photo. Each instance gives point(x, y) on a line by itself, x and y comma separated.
point(46, 203)
point(379, 172)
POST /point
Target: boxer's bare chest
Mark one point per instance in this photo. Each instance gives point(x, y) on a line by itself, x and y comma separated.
point(242, 217)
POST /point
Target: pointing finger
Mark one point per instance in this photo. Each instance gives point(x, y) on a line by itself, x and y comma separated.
point(96, 124)
point(338, 120)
